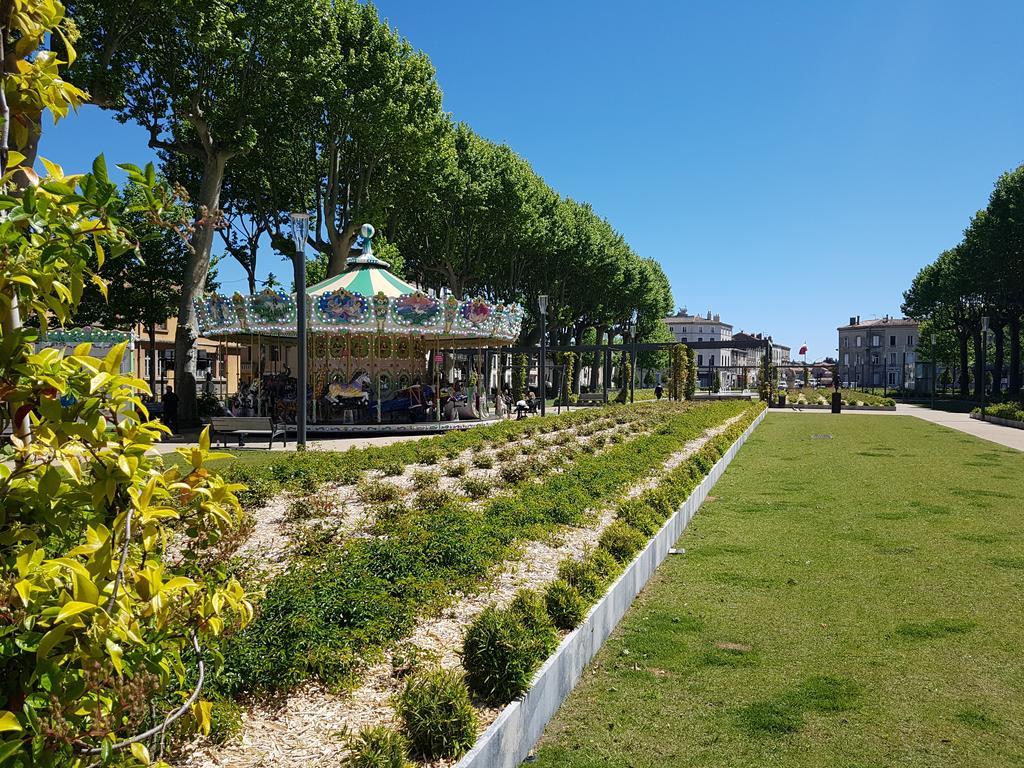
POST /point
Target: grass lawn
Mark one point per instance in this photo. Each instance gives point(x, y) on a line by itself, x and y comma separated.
point(851, 602)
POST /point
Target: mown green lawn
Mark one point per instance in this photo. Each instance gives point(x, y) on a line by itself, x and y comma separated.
point(850, 602)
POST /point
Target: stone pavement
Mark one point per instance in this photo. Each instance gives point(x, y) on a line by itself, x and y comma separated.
point(994, 433)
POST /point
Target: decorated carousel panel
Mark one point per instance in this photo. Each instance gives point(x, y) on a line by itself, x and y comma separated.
point(371, 338)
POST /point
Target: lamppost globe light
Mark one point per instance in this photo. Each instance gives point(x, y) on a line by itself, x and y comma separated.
point(300, 229)
point(367, 230)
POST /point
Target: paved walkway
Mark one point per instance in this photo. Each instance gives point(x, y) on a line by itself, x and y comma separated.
point(994, 433)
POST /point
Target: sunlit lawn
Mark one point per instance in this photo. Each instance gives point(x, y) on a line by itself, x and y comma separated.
point(851, 602)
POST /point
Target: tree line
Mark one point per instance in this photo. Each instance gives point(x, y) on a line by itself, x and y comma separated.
point(261, 107)
point(982, 276)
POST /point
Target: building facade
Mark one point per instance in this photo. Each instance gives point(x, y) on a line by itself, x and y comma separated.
point(881, 352)
point(735, 357)
point(219, 366)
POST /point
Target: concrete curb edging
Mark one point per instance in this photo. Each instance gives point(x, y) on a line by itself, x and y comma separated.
point(509, 739)
point(999, 420)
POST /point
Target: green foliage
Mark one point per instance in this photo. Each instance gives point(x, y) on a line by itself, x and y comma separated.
point(515, 472)
point(476, 488)
point(437, 715)
point(377, 747)
point(378, 491)
point(565, 605)
point(690, 388)
point(1012, 411)
point(101, 615)
point(520, 368)
point(622, 541)
point(528, 605)
point(423, 479)
point(500, 654)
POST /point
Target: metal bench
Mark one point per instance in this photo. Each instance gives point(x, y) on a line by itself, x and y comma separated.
point(592, 398)
point(223, 426)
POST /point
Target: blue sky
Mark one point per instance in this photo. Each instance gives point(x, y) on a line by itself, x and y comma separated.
point(789, 164)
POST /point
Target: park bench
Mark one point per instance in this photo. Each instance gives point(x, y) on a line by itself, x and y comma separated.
point(592, 398)
point(241, 426)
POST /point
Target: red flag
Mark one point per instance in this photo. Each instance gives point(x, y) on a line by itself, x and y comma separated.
point(803, 349)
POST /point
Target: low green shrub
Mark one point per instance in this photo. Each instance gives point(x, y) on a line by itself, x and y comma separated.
point(425, 478)
point(225, 720)
point(483, 461)
point(377, 747)
point(500, 653)
point(528, 605)
point(1011, 411)
point(640, 515)
point(565, 605)
point(476, 488)
point(508, 453)
point(515, 472)
point(391, 468)
point(622, 541)
point(582, 575)
point(436, 714)
point(455, 469)
point(433, 498)
point(604, 565)
point(377, 491)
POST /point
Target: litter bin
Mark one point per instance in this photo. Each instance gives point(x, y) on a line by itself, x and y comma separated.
point(837, 402)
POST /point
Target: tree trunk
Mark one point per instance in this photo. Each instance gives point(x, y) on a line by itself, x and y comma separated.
point(193, 283)
point(979, 366)
point(152, 359)
point(250, 275)
point(965, 379)
point(341, 246)
point(1014, 382)
point(598, 364)
point(997, 368)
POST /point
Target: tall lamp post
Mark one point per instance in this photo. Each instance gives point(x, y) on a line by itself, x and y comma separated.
point(300, 232)
point(631, 327)
point(935, 382)
point(984, 360)
point(542, 305)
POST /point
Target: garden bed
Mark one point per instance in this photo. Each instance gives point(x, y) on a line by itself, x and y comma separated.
point(509, 739)
point(998, 420)
point(447, 558)
point(819, 407)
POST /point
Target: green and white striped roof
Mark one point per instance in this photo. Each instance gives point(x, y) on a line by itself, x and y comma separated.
point(364, 277)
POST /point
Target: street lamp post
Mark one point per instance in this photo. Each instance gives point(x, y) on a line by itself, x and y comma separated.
point(542, 305)
point(935, 382)
point(631, 327)
point(984, 360)
point(300, 232)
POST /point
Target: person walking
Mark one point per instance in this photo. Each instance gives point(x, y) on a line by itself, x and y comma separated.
point(658, 391)
point(170, 417)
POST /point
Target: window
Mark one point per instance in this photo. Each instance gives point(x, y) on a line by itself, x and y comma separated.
point(910, 341)
point(892, 341)
point(846, 342)
point(846, 358)
point(700, 339)
point(700, 329)
point(892, 378)
point(892, 356)
point(859, 341)
point(711, 360)
point(876, 341)
point(700, 359)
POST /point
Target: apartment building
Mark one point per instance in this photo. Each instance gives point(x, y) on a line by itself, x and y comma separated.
point(880, 352)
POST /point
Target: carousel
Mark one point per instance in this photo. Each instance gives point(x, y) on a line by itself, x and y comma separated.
point(383, 355)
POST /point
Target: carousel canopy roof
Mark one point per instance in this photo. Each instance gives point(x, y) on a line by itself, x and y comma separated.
point(364, 277)
point(366, 298)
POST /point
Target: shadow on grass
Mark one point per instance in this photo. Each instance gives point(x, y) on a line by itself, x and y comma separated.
point(977, 718)
point(1015, 562)
point(785, 712)
point(932, 630)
